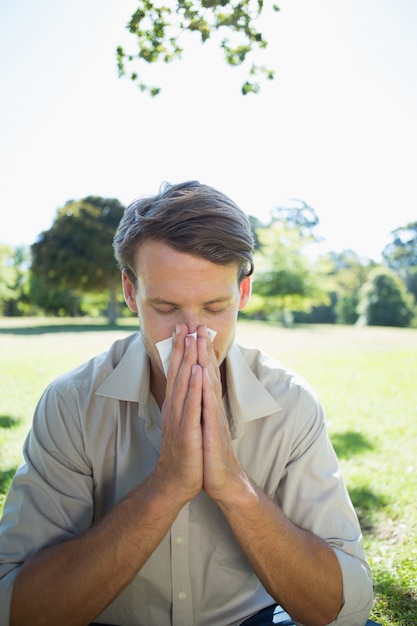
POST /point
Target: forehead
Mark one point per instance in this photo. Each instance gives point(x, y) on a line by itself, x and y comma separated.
point(164, 270)
point(153, 254)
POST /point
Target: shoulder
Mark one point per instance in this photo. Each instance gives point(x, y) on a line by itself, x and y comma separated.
point(272, 374)
point(76, 392)
point(299, 408)
point(71, 405)
point(91, 373)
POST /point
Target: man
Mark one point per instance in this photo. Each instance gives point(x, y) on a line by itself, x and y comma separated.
point(207, 496)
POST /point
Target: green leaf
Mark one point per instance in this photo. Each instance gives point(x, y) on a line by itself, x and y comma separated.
point(158, 28)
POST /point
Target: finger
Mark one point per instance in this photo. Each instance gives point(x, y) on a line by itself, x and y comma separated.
point(178, 347)
point(206, 349)
point(177, 355)
point(212, 401)
point(184, 357)
point(184, 422)
point(193, 401)
point(207, 356)
point(181, 455)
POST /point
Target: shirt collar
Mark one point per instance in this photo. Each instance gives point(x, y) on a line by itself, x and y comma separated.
point(248, 398)
point(129, 380)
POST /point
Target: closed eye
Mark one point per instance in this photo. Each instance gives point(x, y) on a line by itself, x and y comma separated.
point(166, 311)
point(214, 311)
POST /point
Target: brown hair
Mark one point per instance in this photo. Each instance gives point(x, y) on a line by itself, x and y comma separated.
point(191, 218)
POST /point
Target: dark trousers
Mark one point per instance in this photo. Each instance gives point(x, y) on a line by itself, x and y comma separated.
point(276, 615)
point(270, 616)
point(267, 617)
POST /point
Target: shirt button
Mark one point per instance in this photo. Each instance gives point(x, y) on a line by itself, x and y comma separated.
point(182, 595)
point(180, 540)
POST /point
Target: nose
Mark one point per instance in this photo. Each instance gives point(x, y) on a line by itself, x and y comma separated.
point(192, 322)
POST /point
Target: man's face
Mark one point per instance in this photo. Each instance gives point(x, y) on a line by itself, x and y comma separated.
point(174, 287)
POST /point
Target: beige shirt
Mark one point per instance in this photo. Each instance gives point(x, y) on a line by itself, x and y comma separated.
point(96, 434)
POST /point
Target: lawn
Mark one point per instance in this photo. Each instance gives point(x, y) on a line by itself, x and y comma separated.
point(365, 377)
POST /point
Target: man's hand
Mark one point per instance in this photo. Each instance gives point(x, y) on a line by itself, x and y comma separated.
point(181, 459)
point(223, 474)
point(196, 449)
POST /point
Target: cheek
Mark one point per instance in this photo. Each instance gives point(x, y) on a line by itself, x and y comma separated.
point(154, 327)
point(150, 336)
point(224, 341)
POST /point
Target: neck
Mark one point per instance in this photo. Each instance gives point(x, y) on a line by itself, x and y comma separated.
point(158, 384)
point(223, 377)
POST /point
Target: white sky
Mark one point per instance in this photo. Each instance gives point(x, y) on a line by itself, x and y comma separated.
point(337, 128)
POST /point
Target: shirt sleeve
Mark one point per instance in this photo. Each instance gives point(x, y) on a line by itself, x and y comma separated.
point(50, 499)
point(314, 496)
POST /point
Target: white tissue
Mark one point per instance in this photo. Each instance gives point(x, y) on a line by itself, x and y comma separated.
point(164, 348)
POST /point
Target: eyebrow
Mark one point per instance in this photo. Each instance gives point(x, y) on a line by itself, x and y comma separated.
point(218, 300)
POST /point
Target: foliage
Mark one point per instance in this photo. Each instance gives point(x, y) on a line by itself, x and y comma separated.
point(13, 279)
point(284, 280)
point(74, 272)
point(343, 274)
point(76, 254)
point(410, 280)
point(53, 300)
point(319, 313)
point(255, 224)
point(302, 219)
point(401, 254)
point(157, 27)
point(385, 301)
point(346, 308)
point(402, 250)
point(7, 275)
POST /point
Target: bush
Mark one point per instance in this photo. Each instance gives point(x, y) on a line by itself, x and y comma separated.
point(384, 301)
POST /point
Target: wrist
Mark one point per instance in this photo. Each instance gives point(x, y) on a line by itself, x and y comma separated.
point(240, 494)
point(169, 492)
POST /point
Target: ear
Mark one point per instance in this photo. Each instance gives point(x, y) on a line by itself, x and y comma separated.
point(129, 292)
point(245, 291)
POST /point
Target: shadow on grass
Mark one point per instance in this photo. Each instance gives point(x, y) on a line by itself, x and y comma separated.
point(395, 602)
point(367, 502)
point(368, 505)
point(67, 328)
point(350, 443)
point(8, 422)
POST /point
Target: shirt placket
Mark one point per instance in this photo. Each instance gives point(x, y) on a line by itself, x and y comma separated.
point(182, 607)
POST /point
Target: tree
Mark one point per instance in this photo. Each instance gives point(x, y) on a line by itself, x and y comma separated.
point(77, 253)
point(402, 250)
point(158, 26)
point(52, 299)
point(342, 275)
point(303, 219)
point(255, 224)
point(13, 277)
point(284, 281)
point(385, 301)
point(401, 254)
point(7, 276)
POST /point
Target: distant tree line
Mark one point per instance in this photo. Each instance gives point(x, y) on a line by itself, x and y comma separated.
point(70, 271)
point(292, 285)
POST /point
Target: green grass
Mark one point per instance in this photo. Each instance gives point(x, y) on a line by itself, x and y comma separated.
point(365, 377)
